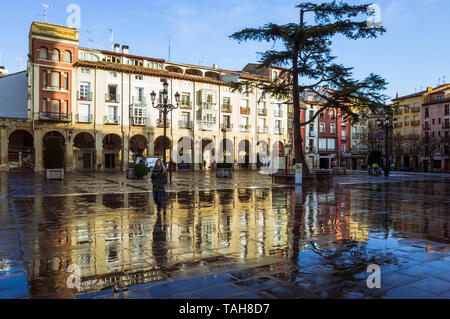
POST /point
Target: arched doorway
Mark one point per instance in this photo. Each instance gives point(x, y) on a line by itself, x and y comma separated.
point(244, 154)
point(138, 146)
point(84, 151)
point(226, 151)
point(54, 150)
point(208, 153)
point(262, 155)
point(112, 146)
point(21, 150)
point(159, 147)
point(183, 156)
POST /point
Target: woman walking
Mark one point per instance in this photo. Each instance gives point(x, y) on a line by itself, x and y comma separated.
point(159, 181)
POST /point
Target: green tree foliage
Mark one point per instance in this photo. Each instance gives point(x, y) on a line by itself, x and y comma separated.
point(140, 170)
point(310, 66)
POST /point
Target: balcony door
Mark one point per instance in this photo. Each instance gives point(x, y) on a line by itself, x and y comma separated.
point(84, 113)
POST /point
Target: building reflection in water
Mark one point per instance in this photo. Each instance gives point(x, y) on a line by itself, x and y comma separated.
point(121, 240)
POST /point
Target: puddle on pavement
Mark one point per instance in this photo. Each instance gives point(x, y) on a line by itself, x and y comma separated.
point(318, 239)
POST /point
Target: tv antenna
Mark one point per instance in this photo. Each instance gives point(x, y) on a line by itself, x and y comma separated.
point(89, 39)
point(169, 38)
point(46, 7)
point(443, 79)
point(203, 60)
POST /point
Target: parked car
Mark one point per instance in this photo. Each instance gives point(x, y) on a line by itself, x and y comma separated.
point(149, 161)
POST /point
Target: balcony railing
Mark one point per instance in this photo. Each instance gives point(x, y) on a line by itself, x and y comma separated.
point(278, 113)
point(343, 138)
point(113, 121)
point(278, 131)
point(112, 98)
point(426, 126)
point(208, 125)
point(84, 118)
point(245, 110)
point(262, 112)
point(415, 122)
point(84, 96)
point(55, 117)
point(186, 105)
point(139, 100)
point(226, 127)
point(244, 128)
point(226, 108)
point(185, 124)
point(139, 120)
point(160, 123)
point(262, 129)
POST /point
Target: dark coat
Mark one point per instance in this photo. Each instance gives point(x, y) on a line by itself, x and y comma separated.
point(159, 179)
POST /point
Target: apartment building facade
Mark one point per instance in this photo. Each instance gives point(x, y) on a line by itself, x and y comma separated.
point(93, 108)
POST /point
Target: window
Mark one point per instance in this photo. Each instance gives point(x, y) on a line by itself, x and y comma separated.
point(344, 135)
point(84, 113)
point(85, 71)
point(43, 53)
point(186, 99)
point(139, 115)
point(333, 129)
point(139, 77)
point(311, 114)
point(311, 127)
point(332, 114)
point(67, 57)
point(186, 119)
point(66, 81)
point(244, 104)
point(344, 148)
point(278, 126)
point(226, 121)
point(139, 97)
point(112, 114)
point(85, 89)
point(55, 55)
point(331, 144)
point(55, 80)
point(113, 74)
point(44, 79)
point(322, 128)
point(55, 106)
point(446, 109)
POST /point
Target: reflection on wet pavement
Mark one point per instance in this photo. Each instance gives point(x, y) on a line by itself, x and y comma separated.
point(230, 243)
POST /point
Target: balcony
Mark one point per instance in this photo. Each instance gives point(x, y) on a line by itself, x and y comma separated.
point(186, 105)
point(415, 122)
point(139, 120)
point(427, 126)
point(245, 110)
point(55, 117)
point(112, 98)
point(278, 131)
point(160, 123)
point(244, 128)
point(113, 121)
point(141, 101)
point(84, 96)
point(185, 124)
point(226, 108)
point(355, 135)
point(262, 112)
point(226, 127)
point(415, 109)
point(278, 113)
point(446, 125)
point(262, 129)
point(84, 118)
point(208, 125)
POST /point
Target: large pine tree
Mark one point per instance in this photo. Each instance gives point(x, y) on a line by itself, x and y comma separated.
point(309, 64)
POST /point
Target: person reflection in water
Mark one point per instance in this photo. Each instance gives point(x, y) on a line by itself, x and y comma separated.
point(159, 249)
point(159, 181)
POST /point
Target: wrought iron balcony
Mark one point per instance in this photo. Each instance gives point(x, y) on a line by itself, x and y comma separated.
point(186, 105)
point(55, 117)
point(160, 123)
point(114, 121)
point(245, 110)
point(84, 118)
point(83, 96)
point(244, 128)
point(185, 124)
point(262, 129)
point(226, 108)
point(139, 120)
point(226, 128)
point(112, 98)
point(262, 112)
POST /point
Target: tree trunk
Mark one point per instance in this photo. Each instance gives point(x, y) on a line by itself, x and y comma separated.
point(298, 141)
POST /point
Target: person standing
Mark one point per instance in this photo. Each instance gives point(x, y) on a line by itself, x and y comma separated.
point(159, 181)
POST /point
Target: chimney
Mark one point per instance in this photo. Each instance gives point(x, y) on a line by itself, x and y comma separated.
point(215, 66)
point(125, 49)
point(117, 47)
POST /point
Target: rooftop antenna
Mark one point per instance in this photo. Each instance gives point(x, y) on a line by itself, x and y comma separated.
point(203, 60)
point(443, 79)
point(89, 39)
point(111, 38)
point(439, 81)
point(46, 7)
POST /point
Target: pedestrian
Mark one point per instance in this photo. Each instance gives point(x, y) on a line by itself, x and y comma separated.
point(159, 181)
point(172, 168)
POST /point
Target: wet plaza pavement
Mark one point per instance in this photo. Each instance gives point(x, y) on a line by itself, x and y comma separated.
point(231, 238)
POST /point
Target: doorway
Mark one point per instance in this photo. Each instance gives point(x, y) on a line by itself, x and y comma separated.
point(110, 161)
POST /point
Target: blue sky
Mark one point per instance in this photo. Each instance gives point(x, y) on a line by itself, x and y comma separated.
point(410, 55)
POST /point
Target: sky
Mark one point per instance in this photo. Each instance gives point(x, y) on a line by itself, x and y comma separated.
point(411, 55)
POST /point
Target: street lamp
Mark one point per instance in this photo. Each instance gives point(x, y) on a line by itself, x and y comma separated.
point(165, 108)
point(387, 125)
